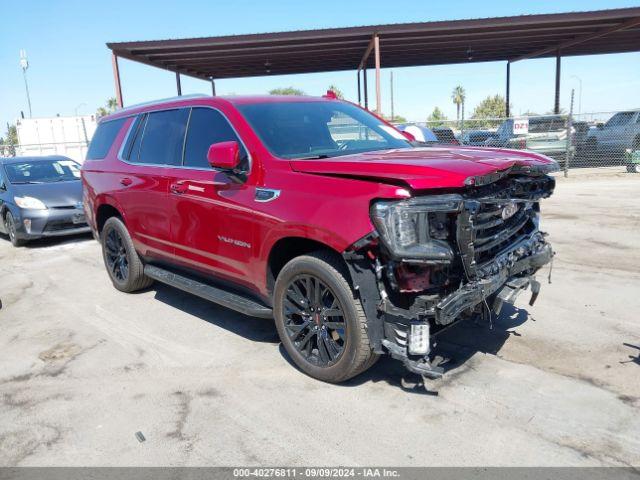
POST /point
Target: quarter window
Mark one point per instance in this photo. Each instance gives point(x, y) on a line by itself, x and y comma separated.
point(103, 138)
point(206, 127)
point(162, 138)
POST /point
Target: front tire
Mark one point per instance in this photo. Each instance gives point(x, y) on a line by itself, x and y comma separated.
point(321, 323)
point(10, 227)
point(123, 264)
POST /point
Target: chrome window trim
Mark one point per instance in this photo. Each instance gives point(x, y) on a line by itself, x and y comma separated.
point(160, 101)
point(182, 165)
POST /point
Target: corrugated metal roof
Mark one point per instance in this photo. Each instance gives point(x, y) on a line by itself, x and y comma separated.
point(405, 44)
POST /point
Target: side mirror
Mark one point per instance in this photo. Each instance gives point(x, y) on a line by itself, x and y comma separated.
point(224, 155)
point(600, 125)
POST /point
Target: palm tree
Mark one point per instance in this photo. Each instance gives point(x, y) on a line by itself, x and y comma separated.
point(110, 107)
point(458, 95)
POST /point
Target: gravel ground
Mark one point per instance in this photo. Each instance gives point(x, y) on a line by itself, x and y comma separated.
point(84, 367)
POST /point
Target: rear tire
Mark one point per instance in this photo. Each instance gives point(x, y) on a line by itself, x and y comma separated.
point(324, 333)
point(10, 227)
point(123, 264)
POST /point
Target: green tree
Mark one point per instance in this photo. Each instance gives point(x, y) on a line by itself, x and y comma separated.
point(490, 111)
point(457, 96)
point(437, 118)
point(336, 90)
point(111, 106)
point(286, 91)
point(9, 141)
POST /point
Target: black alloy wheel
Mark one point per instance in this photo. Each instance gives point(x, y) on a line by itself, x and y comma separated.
point(116, 256)
point(320, 319)
point(123, 264)
point(314, 320)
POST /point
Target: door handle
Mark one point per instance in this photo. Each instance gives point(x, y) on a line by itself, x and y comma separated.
point(178, 188)
point(126, 181)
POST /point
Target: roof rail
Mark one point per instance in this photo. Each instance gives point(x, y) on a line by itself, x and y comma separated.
point(161, 100)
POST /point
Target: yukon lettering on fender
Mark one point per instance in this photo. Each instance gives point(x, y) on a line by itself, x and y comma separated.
point(233, 241)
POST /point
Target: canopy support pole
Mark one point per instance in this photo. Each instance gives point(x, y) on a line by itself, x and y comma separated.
point(556, 104)
point(116, 79)
point(178, 85)
point(376, 43)
point(508, 93)
point(366, 89)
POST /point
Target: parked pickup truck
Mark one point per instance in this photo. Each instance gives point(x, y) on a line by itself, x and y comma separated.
point(319, 214)
point(546, 135)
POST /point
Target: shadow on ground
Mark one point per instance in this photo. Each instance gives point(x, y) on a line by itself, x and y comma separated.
point(457, 344)
point(251, 328)
point(45, 242)
point(633, 359)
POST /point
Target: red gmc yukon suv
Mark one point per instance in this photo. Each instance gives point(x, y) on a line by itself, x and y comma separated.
point(357, 240)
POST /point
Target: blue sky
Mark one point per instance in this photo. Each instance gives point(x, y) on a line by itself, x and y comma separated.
point(70, 66)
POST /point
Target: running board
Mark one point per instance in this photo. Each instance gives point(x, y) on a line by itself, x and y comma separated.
point(227, 299)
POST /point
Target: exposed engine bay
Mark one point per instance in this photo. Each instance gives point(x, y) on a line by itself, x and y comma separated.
point(436, 259)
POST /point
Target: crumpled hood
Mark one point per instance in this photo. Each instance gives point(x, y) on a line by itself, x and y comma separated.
point(428, 167)
point(56, 194)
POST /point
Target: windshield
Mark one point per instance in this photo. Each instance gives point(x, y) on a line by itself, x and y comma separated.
point(42, 171)
point(619, 119)
point(319, 129)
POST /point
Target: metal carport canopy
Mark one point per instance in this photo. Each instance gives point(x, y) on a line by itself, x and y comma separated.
point(396, 45)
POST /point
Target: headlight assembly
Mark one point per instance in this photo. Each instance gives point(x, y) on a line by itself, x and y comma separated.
point(416, 228)
point(30, 203)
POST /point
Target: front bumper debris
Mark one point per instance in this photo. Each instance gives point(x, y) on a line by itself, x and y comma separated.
point(389, 326)
point(471, 294)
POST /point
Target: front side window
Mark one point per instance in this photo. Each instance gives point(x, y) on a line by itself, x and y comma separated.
point(162, 138)
point(319, 129)
point(206, 127)
point(103, 138)
point(42, 171)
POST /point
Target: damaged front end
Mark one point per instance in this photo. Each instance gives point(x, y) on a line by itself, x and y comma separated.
point(437, 259)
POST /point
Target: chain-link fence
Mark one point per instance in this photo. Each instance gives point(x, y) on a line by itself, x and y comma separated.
point(600, 139)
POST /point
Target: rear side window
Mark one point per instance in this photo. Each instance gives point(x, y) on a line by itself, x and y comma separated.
point(103, 138)
point(162, 138)
point(207, 126)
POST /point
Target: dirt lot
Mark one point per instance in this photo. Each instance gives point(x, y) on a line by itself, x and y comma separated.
point(83, 367)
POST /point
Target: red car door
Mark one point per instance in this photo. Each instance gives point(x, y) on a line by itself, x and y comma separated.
point(211, 226)
point(155, 145)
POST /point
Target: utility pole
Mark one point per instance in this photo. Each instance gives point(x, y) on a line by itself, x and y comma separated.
point(24, 64)
point(392, 111)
